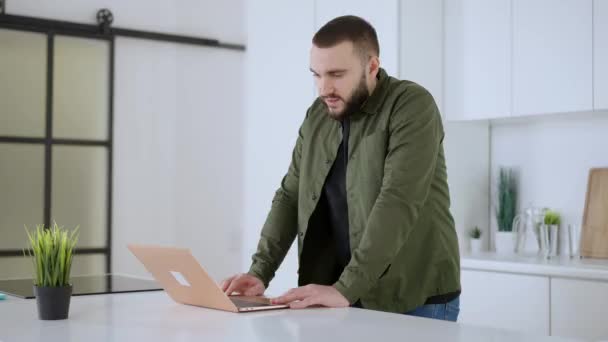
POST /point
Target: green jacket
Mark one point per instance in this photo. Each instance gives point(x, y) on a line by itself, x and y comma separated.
point(403, 243)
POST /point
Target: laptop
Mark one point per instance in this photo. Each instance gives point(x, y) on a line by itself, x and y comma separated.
point(186, 282)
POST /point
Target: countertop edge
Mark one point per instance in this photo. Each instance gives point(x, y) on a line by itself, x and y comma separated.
point(558, 268)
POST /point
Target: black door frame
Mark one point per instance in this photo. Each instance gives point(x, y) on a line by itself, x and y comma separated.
point(103, 32)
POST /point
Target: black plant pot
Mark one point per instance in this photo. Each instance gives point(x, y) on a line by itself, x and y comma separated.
point(53, 302)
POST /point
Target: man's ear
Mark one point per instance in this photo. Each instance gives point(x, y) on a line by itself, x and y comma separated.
point(374, 66)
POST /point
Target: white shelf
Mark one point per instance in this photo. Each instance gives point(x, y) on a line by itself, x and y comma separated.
point(562, 267)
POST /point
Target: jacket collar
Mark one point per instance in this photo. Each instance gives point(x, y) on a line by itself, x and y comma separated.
point(374, 101)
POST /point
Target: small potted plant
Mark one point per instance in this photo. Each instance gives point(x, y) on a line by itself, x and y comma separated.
point(552, 221)
point(475, 235)
point(51, 250)
point(505, 211)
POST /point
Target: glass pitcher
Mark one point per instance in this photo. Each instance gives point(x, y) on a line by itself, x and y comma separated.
point(526, 226)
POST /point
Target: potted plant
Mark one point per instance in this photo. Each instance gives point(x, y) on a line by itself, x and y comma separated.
point(51, 250)
point(552, 221)
point(475, 235)
point(505, 211)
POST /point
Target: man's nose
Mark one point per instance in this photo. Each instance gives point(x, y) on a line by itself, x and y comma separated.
point(326, 87)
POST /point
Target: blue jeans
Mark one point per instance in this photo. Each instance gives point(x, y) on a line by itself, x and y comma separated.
point(447, 312)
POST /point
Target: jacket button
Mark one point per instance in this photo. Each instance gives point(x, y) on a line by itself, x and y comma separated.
point(314, 197)
point(328, 162)
point(301, 234)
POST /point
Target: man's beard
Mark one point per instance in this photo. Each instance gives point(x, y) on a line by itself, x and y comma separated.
point(354, 103)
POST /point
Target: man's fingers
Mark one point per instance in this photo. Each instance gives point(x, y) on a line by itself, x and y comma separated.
point(308, 301)
point(250, 292)
point(295, 294)
point(226, 283)
point(288, 293)
point(235, 285)
point(243, 283)
point(291, 295)
point(254, 291)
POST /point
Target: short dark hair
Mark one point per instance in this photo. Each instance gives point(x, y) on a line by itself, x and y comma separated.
point(349, 28)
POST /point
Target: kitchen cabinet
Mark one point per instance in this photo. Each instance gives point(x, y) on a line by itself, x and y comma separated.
point(562, 296)
point(552, 56)
point(503, 300)
point(578, 308)
point(600, 54)
point(421, 48)
point(477, 59)
point(383, 15)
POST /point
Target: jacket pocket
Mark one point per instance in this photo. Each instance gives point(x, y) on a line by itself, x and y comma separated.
point(385, 271)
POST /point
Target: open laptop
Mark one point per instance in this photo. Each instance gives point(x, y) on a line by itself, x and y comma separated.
point(186, 282)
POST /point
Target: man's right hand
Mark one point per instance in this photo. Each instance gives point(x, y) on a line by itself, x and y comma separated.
point(245, 284)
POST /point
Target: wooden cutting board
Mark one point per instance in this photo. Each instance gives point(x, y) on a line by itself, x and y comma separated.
point(594, 230)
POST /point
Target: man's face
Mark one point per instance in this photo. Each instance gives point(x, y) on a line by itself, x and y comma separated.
point(340, 78)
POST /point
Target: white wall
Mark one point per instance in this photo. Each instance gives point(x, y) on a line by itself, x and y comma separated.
point(279, 90)
point(178, 130)
point(553, 155)
point(144, 151)
point(467, 154)
point(209, 156)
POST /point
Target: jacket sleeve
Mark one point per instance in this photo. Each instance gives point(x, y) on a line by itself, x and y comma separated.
point(281, 224)
point(415, 136)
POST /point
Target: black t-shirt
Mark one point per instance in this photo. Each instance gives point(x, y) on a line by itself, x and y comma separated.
point(334, 193)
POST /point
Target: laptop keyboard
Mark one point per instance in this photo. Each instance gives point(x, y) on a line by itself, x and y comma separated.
point(247, 304)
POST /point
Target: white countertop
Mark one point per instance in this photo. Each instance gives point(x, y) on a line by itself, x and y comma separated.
point(153, 316)
point(563, 267)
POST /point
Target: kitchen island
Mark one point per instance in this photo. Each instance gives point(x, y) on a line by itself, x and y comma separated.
point(153, 316)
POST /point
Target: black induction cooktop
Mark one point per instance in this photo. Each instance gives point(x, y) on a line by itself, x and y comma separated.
point(84, 285)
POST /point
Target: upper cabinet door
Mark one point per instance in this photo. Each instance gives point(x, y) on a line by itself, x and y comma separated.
point(600, 54)
point(421, 50)
point(477, 59)
point(552, 56)
point(381, 14)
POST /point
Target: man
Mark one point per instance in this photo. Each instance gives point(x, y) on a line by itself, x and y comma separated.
point(366, 193)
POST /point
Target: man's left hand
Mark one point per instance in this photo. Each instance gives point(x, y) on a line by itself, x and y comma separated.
point(309, 295)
